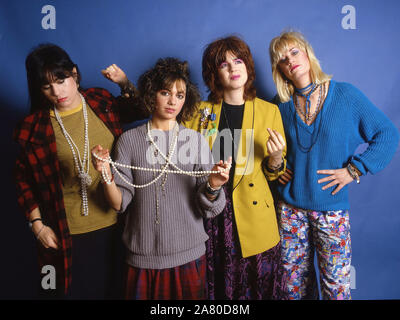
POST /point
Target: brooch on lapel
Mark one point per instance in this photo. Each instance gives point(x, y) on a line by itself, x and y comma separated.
point(204, 113)
point(205, 117)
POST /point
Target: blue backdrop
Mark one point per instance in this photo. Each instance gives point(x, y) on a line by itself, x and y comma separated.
point(357, 45)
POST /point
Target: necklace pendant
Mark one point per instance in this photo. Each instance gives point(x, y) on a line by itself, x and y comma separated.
point(86, 179)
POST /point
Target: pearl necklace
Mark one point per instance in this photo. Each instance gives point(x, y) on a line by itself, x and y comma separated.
point(83, 174)
point(162, 171)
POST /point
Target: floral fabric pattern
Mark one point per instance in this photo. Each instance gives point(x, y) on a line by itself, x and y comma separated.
point(328, 233)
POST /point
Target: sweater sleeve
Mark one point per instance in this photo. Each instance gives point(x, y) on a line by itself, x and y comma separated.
point(123, 154)
point(25, 186)
point(374, 128)
point(128, 105)
point(278, 126)
point(208, 209)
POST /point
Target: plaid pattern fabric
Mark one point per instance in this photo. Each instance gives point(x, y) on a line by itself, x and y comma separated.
point(38, 178)
point(185, 282)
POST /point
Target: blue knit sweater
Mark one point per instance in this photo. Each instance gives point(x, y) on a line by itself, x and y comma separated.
point(346, 120)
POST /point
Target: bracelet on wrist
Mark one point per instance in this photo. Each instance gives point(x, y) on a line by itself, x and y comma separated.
point(353, 172)
point(273, 169)
point(33, 220)
point(211, 191)
point(128, 89)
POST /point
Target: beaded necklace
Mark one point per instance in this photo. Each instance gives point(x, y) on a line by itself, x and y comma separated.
point(306, 114)
point(162, 171)
point(315, 135)
point(83, 173)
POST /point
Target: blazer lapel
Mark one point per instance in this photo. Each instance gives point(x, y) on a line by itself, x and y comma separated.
point(211, 132)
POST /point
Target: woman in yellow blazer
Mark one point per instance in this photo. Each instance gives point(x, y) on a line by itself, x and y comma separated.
point(243, 252)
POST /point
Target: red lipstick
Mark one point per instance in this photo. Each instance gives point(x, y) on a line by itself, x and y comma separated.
point(294, 67)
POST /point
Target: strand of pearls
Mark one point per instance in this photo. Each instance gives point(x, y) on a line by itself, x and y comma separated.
point(191, 173)
point(164, 169)
point(83, 173)
point(107, 179)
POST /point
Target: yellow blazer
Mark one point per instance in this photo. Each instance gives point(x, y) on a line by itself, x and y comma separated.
point(252, 199)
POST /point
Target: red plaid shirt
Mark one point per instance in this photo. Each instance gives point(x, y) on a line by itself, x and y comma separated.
point(38, 175)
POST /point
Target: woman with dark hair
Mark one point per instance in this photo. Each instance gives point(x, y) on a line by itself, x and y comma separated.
point(325, 121)
point(243, 253)
point(57, 188)
point(166, 175)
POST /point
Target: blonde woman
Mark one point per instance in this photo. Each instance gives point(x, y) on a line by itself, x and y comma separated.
point(324, 122)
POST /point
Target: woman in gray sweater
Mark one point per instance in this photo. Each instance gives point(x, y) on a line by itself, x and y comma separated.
point(166, 203)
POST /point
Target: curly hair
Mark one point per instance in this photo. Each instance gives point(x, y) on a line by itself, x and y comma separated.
point(215, 54)
point(163, 76)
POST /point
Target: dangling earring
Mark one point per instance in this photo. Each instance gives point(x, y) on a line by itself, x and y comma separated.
point(287, 85)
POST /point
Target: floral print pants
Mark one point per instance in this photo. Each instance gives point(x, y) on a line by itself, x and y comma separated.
point(328, 232)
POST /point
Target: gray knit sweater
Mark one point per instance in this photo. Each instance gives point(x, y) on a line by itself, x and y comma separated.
point(179, 237)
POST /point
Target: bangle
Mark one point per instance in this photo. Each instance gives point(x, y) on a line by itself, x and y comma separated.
point(353, 173)
point(275, 168)
point(211, 191)
point(211, 188)
point(128, 89)
point(34, 220)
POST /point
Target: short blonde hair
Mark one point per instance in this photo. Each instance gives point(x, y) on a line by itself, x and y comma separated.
point(278, 46)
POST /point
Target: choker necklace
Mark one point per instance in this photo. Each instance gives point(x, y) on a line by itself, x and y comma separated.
point(83, 173)
point(306, 88)
point(310, 90)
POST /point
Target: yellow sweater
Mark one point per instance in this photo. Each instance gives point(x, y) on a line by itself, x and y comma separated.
point(252, 199)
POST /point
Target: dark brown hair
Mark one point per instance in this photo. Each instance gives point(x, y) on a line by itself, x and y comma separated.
point(162, 76)
point(46, 63)
point(215, 54)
